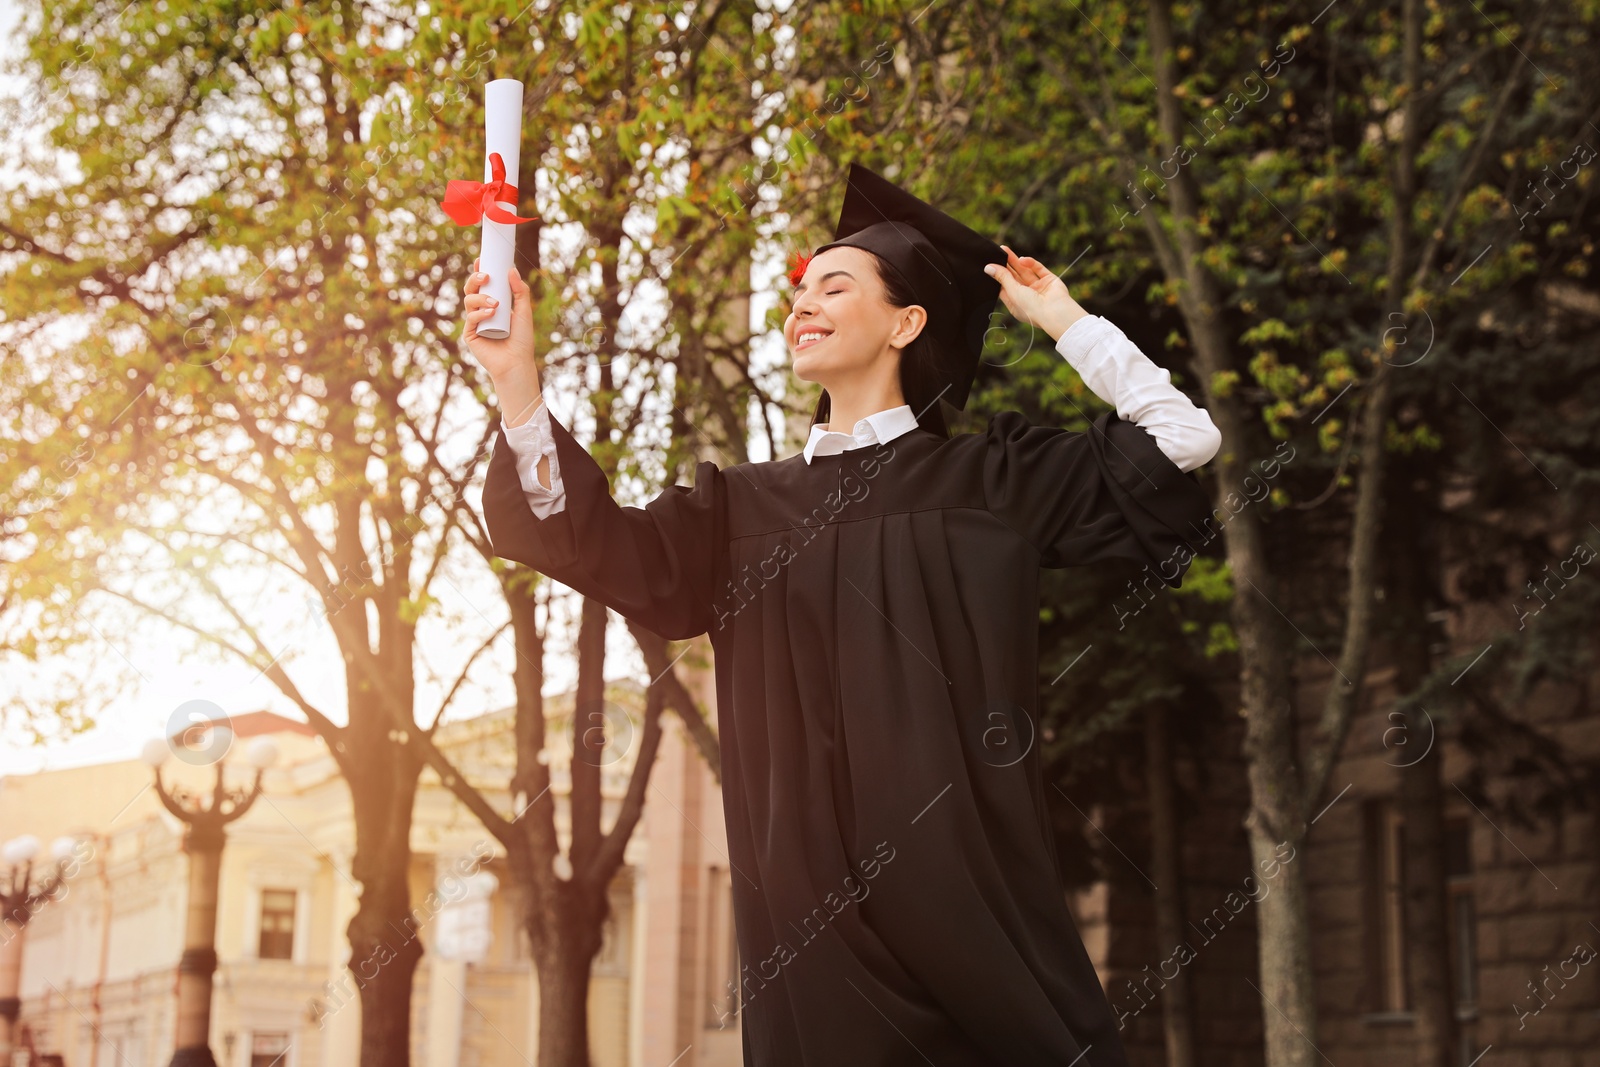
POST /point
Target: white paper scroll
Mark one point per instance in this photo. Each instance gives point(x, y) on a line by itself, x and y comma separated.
point(502, 107)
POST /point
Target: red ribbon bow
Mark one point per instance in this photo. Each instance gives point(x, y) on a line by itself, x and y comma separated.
point(470, 202)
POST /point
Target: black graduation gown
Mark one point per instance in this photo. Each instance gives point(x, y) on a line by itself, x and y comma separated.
point(874, 620)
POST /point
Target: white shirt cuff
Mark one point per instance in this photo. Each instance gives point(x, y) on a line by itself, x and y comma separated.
point(1119, 373)
point(529, 441)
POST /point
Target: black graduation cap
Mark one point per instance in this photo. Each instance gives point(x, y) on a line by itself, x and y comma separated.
point(941, 259)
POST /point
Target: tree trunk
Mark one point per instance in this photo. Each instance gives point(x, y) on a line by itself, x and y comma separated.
point(1426, 901)
point(589, 719)
point(1288, 995)
point(1177, 1013)
point(1419, 766)
point(384, 943)
point(565, 944)
point(564, 1010)
point(1276, 823)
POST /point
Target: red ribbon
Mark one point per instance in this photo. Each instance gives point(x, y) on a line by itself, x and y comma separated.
point(470, 202)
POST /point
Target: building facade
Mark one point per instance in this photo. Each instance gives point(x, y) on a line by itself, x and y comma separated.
point(1522, 894)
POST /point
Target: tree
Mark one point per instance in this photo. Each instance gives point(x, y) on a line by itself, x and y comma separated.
point(244, 225)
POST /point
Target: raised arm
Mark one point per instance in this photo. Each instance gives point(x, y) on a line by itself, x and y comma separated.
point(1122, 488)
point(512, 366)
point(656, 565)
point(1111, 365)
point(1119, 373)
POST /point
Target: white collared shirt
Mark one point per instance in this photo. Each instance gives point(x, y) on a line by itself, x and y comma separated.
point(1111, 365)
point(877, 428)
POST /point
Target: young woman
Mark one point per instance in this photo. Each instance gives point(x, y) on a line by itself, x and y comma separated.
point(873, 603)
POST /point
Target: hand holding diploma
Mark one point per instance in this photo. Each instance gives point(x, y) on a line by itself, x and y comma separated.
point(499, 308)
point(492, 202)
point(510, 359)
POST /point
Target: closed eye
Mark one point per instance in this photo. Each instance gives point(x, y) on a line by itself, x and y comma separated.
point(831, 292)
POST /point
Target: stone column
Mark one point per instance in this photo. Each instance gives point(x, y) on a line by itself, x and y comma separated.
point(10, 984)
point(199, 960)
point(638, 961)
point(447, 988)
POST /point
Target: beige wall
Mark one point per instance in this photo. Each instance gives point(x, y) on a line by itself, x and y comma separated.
point(684, 1017)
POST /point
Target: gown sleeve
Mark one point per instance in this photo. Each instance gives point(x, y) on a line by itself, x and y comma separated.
point(655, 565)
point(1083, 496)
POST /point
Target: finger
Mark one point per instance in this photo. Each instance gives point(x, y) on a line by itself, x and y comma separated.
point(475, 282)
point(1003, 275)
point(475, 317)
point(1028, 269)
point(479, 300)
point(1025, 268)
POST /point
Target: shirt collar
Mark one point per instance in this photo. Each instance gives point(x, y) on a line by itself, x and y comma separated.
point(877, 428)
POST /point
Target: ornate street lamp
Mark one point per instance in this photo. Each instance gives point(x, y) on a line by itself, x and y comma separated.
point(22, 893)
point(203, 819)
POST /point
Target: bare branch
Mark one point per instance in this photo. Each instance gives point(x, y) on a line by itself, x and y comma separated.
point(608, 857)
point(280, 678)
point(653, 648)
point(462, 677)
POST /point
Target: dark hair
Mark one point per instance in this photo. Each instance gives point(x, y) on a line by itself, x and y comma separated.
point(919, 377)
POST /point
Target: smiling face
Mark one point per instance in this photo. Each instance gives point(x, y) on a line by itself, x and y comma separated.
point(841, 330)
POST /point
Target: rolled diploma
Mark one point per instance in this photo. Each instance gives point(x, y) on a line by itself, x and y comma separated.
point(502, 122)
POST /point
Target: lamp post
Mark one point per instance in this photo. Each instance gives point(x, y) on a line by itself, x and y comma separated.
point(21, 894)
point(203, 819)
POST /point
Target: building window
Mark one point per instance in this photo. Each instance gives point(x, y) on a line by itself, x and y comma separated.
point(269, 1050)
point(277, 925)
point(1463, 919)
point(1385, 895)
point(124, 1047)
point(1463, 936)
point(611, 960)
point(1385, 907)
